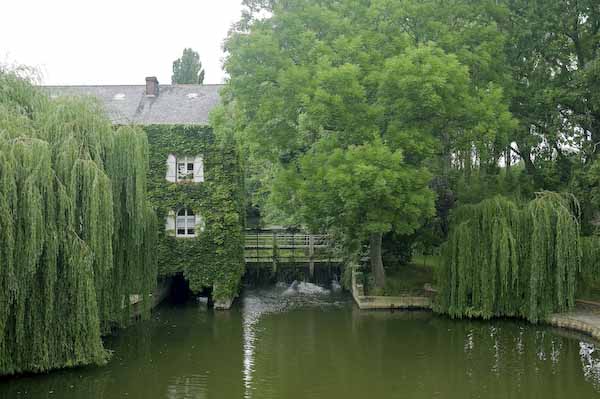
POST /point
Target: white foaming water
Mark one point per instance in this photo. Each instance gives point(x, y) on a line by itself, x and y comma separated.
point(335, 285)
point(305, 288)
point(311, 289)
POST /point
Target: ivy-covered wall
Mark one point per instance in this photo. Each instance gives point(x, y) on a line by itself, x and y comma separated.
point(215, 257)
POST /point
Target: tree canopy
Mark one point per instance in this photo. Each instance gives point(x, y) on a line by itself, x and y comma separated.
point(326, 82)
point(507, 259)
point(188, 69)
point(76, 232)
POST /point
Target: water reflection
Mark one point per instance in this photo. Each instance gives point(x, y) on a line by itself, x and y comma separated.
point(259, 303)
point(189, 386)
point(590, 361)
point(526, 353)
point(304, 341)
point(380, 354)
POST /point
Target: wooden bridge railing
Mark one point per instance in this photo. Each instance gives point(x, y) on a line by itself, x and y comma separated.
point(282, 246)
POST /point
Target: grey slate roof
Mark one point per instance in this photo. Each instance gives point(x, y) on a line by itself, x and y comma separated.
point(175, 104)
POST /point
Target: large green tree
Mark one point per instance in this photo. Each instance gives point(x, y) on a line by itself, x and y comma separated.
point(188, 69)
point(553, 50)
point(361, 191)
point(322, 81)
point(552, 55)
point(77, 235)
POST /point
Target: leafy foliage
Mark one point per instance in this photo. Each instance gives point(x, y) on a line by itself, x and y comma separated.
point(77, 235)
point(363, 189)
point(215, 258)
point(188, 69)
point(502, 259)
point(317, 79)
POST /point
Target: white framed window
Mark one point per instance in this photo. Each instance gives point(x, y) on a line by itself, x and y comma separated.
point(185, 223)
point(185, 169)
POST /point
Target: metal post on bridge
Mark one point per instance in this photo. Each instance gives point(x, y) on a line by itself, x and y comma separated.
point(293, 250)
point(311, 258)
point(256, 247)
point(274, 252)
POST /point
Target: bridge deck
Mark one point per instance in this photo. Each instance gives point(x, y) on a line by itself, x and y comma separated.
point(283, 247)
point(292, 260)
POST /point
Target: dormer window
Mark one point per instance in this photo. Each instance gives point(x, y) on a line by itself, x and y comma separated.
point(185, 169)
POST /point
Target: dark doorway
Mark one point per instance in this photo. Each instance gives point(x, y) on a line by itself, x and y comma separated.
point(179, 292)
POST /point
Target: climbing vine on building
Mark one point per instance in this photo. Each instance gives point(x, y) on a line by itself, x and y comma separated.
point(214, 258)
point(76, 231)
point(507, 259)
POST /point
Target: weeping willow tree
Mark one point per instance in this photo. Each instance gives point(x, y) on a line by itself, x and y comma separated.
point(76, 233)
point(589, 279)
point(502, 259)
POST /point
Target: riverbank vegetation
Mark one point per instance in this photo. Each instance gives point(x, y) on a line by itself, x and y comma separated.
point(431, 126)
point(408, 280)
point(503, 259)
point(469, 129)
point(351, 114)
point(77, 236)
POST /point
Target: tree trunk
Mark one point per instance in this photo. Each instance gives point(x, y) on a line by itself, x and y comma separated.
point(468, 164)
point(529, 166)
point(376, 261)
point(595, 136)
point(446, 155)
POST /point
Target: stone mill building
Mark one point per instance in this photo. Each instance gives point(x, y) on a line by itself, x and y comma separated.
point(194, 181)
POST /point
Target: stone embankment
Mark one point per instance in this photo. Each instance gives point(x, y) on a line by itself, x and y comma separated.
point(585, 318)
point(385, 302)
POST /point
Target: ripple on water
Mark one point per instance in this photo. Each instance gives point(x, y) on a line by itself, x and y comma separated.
point(258, 303)
point(311, 342)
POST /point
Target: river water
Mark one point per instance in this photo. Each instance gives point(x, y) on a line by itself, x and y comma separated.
point(309, 342)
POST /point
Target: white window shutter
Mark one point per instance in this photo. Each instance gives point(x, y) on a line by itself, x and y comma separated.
point(198, 170)
point(171, 168)
point(199, 224)
point(170, 223)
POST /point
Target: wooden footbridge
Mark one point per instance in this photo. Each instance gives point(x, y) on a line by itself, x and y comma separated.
point(288, 248)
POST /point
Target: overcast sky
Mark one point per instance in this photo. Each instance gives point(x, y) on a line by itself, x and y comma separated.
point(113, 41)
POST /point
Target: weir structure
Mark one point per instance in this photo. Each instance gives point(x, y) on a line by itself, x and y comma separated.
point(279, 250)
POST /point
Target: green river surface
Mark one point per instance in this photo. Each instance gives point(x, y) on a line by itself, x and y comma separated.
point(309, 342)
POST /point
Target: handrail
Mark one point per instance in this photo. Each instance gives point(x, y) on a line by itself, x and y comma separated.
point(281, 246)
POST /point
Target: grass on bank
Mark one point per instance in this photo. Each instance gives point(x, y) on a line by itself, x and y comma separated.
point(409, 279)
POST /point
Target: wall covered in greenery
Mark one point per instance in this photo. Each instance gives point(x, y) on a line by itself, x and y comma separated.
point(506, 259)
point(77, 235)
point(214, 258)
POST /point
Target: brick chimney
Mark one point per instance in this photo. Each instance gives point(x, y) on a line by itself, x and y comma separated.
point(151, 86)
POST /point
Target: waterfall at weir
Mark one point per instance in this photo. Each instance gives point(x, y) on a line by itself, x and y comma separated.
point(265, 275)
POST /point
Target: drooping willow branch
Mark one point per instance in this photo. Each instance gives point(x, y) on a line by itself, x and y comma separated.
point(504, 259)
point(76, 232)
